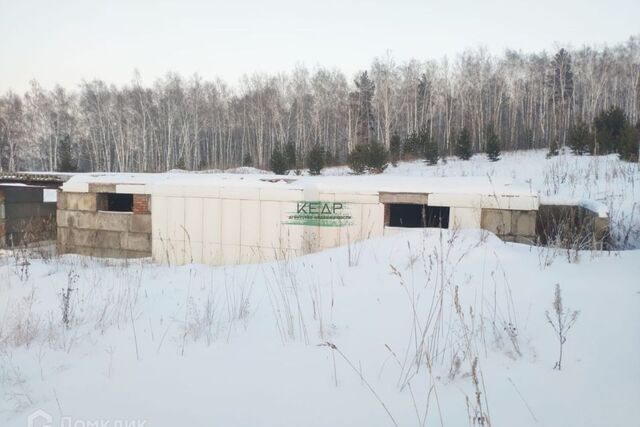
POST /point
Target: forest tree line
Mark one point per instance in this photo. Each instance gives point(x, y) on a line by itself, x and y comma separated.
point(529, 100)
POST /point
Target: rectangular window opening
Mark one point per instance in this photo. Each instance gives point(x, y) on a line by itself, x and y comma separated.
point(417, 216)
point(115, 202)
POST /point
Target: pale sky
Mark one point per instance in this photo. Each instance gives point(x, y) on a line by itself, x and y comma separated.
point(65, 41)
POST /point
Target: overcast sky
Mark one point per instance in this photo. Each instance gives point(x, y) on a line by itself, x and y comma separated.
point(65, 41)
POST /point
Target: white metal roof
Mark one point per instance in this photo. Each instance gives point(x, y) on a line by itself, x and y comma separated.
point(365, 184)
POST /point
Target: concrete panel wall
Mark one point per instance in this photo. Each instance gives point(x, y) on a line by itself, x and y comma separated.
point(510, 225)
point(465, 217)
point(245, 226)
point(83, 229)
point(248, 229)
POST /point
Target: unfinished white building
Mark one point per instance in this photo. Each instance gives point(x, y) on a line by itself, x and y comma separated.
point(221, 219)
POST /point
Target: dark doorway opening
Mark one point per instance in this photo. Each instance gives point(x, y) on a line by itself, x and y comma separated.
point(417, 216)
point(115, 202)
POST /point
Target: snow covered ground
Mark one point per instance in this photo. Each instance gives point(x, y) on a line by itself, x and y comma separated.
point(427, 328)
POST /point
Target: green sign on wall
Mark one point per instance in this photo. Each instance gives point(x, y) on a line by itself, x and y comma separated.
point(318, 213)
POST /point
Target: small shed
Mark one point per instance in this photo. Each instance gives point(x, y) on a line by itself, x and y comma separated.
point(27, 208)
point(105, 215)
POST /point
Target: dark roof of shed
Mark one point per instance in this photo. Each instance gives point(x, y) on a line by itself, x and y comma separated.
point(34, 178)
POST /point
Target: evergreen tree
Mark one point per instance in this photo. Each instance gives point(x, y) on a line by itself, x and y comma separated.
point(180, 164)
point(395, 145)
point(278, 162)
point(365, 89)
point(247, 160)
point(580, 139)
point(431, 152)
point(411, 147)
point(463, 145)
point(358, 159)
point(378, 157)
point(316, 160)
point(609, 125)
point(553, 149)
point(493, 144)
point(629, 143)
point(66, 163)
point(290, 155)
point(330, 159)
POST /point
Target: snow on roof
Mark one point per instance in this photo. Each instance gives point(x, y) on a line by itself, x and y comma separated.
point(118, 178)
point(594, 206)
point(368, 184)
point(34, 177)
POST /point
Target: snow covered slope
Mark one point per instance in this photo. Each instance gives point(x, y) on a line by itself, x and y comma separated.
point(243, 346)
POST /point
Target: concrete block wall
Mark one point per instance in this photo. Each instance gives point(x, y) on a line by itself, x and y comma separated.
point(510, 225)
point(86, 230)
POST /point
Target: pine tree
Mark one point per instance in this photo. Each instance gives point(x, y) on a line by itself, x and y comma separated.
point(247, 160)
point(290, 155)
point(330, 159)
point(66, 163)
point(395, 145)
point(278, 162)
point(430, 151)
point(493, 144)
point(180, 164)
point(609, 125)
point(364, 104)
point(411, 148)
point(358, 159)
point(315, 160)
point(580, 139)
point(463, 145)
point(378, 157)
point(553, 149)
point(629, 143)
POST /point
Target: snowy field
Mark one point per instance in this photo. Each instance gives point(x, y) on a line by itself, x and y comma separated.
point(428, 328)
